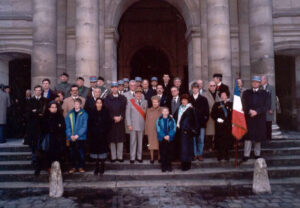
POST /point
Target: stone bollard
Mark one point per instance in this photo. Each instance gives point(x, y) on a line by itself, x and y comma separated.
point(56, 188)
point(261, 183)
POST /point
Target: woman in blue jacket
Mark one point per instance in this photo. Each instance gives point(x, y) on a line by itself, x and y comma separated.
point(76, 130)
point(165, 128)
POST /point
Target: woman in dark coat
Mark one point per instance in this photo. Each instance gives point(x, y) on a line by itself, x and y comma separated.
point(221, 113)
point(187, 127)
point(53, 124)
point(99, 124)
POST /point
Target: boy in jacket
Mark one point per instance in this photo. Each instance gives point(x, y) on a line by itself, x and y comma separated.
point(76, 130)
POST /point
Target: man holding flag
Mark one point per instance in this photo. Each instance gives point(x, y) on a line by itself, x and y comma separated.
point(255, 105)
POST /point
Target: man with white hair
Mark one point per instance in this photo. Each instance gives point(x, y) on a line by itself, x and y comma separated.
point(272, 108)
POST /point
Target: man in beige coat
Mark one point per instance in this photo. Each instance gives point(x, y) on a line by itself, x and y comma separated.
point(69, 101)
point(211, 96)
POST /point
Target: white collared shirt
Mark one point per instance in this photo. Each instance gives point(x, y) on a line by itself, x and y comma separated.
point(196, 96)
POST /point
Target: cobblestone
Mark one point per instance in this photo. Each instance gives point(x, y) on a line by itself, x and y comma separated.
point(286, 196)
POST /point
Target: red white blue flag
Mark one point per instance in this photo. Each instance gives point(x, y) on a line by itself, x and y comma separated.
point(239, 126)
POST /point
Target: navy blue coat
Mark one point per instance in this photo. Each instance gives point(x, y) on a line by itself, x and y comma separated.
point(258, 101)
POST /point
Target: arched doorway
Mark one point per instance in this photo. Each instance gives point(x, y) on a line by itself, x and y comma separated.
point(148, 62)
point(16, 72)
point(152, 41)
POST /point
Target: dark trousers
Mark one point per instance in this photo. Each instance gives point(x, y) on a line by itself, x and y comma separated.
point(77, 154)
point(209, 142)
point(269, 129)
point(165, 150)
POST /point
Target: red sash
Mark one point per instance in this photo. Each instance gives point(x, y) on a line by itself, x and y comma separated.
point(138, 108)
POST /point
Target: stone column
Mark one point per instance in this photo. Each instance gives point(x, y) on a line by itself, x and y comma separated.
point(43, 59)
point(204, 43)
point(111, 38)
point(4, 70)
point(261, 39)
point(87, 40)
point(193, 37)
point(61, 36)
point(297, 68)
point(244, 52)
point(219, 47)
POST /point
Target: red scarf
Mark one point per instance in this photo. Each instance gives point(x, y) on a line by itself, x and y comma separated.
point(138, 108)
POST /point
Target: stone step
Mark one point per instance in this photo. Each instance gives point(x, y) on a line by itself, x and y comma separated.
point(272, 161)
point(154, 174)
point(152, 183)
point(283, 151)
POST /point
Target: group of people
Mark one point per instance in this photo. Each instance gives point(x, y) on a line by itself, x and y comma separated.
point(175, 122)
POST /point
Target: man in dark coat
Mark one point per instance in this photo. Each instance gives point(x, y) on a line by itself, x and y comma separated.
point(47, 92)
point(163, 97)
point(116, 104)
point(220, 86)
point(200, 104)
point(166, 83)
point(35, 112)
point(83, 91)
point(255, 104)
point(148, 92)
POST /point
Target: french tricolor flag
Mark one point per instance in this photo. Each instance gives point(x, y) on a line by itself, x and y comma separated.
point(239, 126)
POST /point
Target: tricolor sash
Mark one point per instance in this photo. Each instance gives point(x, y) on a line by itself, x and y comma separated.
point(138, 108)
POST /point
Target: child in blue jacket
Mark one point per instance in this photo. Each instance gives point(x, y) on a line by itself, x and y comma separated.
point(76, 130)
point(165, 128)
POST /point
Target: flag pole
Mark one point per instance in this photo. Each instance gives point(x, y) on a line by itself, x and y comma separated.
point(236, 153)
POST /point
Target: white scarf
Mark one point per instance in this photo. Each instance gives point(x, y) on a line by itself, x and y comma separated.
point(181, 110)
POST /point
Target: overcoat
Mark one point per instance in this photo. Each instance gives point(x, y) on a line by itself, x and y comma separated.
point(258, 101)
point(4, 104)
point(187, 130)
point(152, 115)
point(99, 125)
point(210, 125)
point(202, 109)
point(116, 107)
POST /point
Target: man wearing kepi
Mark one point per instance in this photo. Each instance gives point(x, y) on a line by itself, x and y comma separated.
point(135, 120)
point(255, 104)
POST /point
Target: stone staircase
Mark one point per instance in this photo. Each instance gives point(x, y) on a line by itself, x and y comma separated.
point(282, 156)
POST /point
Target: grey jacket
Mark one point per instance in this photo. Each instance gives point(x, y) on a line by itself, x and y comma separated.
point(272, 93)
point(84, 92)
point(4, 104)
point(64, 87)
point(133, 117)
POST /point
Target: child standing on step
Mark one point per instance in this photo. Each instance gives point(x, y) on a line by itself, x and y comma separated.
point(165, 128)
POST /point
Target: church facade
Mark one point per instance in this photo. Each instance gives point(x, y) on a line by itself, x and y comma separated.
point(192, 39)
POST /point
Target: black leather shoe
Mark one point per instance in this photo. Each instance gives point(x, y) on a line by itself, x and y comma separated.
point(245, 159)
point(112, 161)
point(151, 161)
point(121, 160)
point(256, 157)
point(140, 161)
point(131, 161)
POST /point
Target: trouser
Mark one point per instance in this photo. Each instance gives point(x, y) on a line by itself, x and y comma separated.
point(77, 154)
point(199, 143)
point(136, 144)
point(2, 139)
point(165, 149)
point(209, 142)
point(247, 148)
point(269, 130)
point(116, 150)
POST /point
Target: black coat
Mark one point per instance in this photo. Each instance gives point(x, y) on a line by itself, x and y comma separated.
point(35, 112)
point(202, 109)
point(54, 125)
point(99, 124)
point(222, 88)
point(89, 105)
point(51, 95)
point(223, 135)
point(187, 131)
point(258, 101)
point(150, 93)
point(116, 107)
point(164, 101)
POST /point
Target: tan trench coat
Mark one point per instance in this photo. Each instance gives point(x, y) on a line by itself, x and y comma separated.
point(152, 115)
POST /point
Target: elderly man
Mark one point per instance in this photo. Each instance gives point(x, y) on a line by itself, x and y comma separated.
point(4, 104)
point(255, 104)
point(272, 108)
point(212, 97)
point(135, 120)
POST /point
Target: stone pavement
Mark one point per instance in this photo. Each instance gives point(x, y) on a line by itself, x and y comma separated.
point(283, 196)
